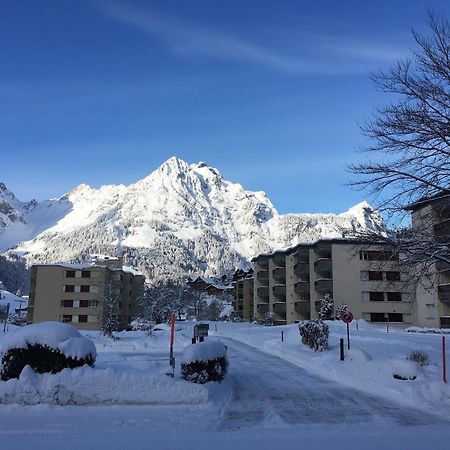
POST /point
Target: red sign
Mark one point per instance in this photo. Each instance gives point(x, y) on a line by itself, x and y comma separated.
point(346, 317)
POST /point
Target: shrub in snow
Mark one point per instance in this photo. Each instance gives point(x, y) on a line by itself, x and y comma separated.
point(140, 324)
point(314, 334)
point(405, 370)
point(203, 362)
point(326, 311)
point(46, 347)
point(419, 356)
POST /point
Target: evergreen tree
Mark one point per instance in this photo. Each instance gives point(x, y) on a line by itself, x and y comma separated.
point(326, 311)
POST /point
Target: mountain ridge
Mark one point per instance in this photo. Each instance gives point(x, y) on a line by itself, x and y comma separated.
point(182, 218)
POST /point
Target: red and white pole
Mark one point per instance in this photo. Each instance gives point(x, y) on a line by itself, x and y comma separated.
point(444, 362)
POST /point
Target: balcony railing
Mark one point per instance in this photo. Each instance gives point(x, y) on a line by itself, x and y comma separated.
point(302, 286)
point(301, 268)
point(279, 290)
point(443, 266)
point(324, 285)
point(279, 260)
point(280, 273)
point(263, 275)
point(302, 306)
point(323, 265)
point(263, 292)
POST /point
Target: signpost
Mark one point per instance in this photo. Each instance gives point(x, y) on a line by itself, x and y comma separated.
point(200, 332)
point(347, 317)
point(6, 318)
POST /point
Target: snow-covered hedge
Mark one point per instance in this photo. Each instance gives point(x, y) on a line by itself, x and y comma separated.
point(203, 362)
point(314, 334)
point(47, 347)
point(426, 330)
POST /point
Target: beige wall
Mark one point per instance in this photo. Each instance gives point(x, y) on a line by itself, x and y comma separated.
point(47, 292)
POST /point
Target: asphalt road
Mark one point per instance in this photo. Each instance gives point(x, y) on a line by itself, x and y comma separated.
point(269, 390)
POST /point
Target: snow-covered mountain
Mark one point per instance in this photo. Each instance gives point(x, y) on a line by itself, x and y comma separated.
point(180, 219)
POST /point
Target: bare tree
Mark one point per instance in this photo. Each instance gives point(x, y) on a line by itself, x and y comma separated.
point(160, 301)
point(111, 315)
point(411, 146)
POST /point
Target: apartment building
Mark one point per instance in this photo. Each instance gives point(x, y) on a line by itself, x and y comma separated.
point(77, 293)
point(431, 218)
point(243, 294)
point(288, 285)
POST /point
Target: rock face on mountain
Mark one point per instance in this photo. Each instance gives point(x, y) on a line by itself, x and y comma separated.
point(180, 219)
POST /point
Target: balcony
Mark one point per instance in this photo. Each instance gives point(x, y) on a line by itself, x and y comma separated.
point(302, 286)
point(444, 293)
point(324, 285)
point(262, 308)
point(279, 290)
point(323, 249)
point(323, 265)
point(280, 309)
point(279, 259)
point(443, 266)
point(263, 263)
point(263, 275)
point(302, 306)
point(301, 268)
point(279, 273)
point(263, 292)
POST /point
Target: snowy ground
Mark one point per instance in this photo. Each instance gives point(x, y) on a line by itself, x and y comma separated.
point(266, 401)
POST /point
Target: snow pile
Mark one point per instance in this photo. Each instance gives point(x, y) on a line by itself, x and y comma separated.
point(204, 351)
point(86, 385)
point(56, 335)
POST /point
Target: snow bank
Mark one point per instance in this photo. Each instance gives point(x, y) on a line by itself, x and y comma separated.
point(203, 351)
point(86, 385)
point(61, 336)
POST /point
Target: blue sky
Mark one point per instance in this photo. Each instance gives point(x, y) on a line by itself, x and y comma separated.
point(271, 93)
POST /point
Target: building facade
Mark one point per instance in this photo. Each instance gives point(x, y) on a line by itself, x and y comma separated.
point(431, 218)
point(289, 285)
point(243, 294)
point(78, 293)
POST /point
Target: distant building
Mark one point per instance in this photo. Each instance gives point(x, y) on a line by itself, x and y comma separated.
point(77, 293)
point(243, 305)
point(288, 285)
point(214, 287)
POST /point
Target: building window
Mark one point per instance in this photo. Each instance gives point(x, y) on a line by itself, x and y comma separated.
point(69, 288)
point(375, 276)
point(376, 296)
point(84, 288)
point(394, 296)
point(67, 303)
point(82, 318)
point(70, 273)
point(84, 303)
point(66, 318)
point(92, 303)
point(377, 317)
point(395, 317)
point(431, 311)
point(374, 255)
point(85, 274)
point(393, 276)
point(445, 322)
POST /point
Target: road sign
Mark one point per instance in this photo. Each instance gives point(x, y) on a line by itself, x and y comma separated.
point(346, 317)
point(201, 330)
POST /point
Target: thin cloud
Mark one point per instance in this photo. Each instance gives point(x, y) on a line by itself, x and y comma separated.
point(188, 39)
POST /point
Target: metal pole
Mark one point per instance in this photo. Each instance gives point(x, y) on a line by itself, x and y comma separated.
point(172, 337)
point(348, 337)
point(6, 318)
point(341, 347)
point(444, 362)
point(282, 336)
